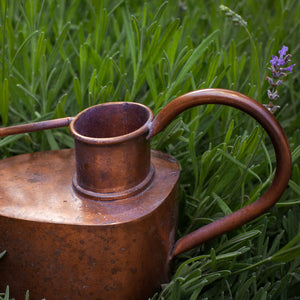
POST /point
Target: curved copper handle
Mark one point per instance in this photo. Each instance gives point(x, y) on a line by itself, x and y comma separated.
point(279, 141)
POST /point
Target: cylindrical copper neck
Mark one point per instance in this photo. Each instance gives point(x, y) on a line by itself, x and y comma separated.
point(111, 151)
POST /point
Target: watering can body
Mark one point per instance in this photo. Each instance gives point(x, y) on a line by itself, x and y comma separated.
point(61, 246)
point(99, 221)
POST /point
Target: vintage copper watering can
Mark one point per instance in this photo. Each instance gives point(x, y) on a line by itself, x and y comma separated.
point(104, 227)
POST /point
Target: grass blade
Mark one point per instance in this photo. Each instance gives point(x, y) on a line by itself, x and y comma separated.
point(5, 102)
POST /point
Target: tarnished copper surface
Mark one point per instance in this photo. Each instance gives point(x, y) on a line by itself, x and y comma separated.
point(103, 227)
point(61, 246)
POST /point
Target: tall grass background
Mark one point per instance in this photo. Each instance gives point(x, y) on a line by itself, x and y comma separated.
point(59, 57)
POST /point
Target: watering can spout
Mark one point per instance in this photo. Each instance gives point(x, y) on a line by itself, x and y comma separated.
point(32, 127)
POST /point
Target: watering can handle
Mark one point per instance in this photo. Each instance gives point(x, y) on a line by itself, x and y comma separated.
point(24, 128)
point(279, 141)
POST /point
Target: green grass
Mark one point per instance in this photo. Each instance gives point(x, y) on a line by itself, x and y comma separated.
point(59, 57)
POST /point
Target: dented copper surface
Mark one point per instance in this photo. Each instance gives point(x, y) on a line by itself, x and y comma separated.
point(99, 222)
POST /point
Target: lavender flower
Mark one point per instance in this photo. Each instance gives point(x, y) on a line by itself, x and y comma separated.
point(283, 51)
point(278, 71)
point(236, 18)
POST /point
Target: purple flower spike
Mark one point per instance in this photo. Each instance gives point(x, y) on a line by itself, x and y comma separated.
point(274, 60)
point(270, 80)
point(283, 51)
point(277, 73)
point(273, 96)
point(288, 69)
point(281, 62)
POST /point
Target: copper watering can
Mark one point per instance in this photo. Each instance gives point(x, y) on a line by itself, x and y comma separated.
point(104, 227)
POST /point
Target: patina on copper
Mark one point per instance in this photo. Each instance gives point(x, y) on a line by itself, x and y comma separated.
point(104, 227)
